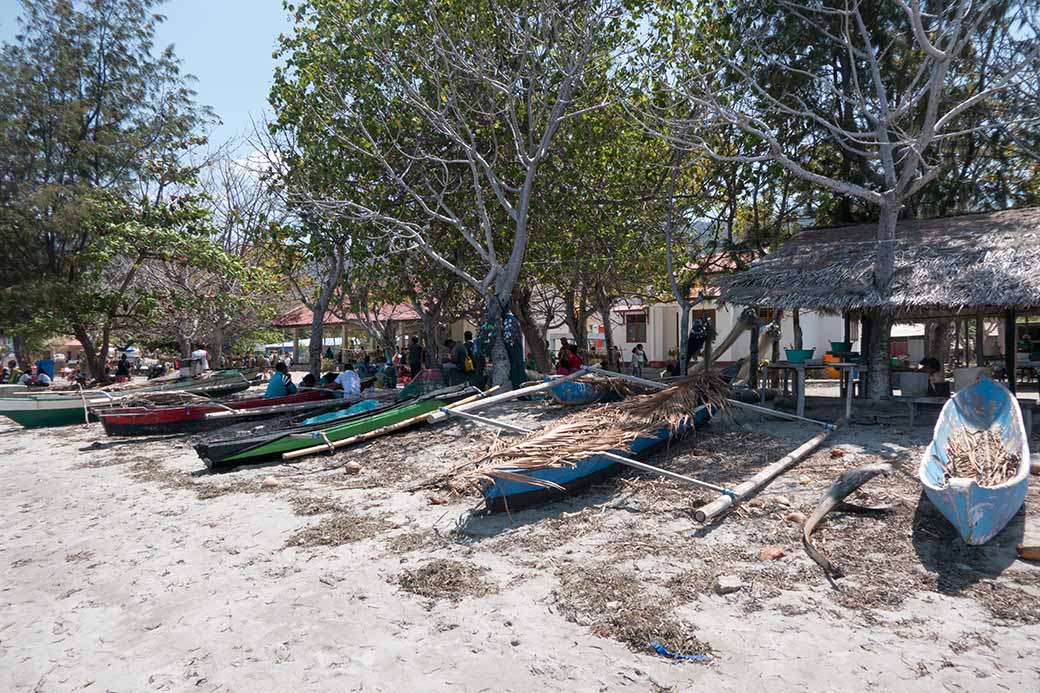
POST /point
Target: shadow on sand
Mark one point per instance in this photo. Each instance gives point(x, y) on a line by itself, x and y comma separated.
point(957, 565)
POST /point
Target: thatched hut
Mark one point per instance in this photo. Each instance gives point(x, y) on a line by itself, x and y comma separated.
point(974, 265)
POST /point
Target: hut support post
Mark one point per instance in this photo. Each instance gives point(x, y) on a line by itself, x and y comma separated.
point(295, 345)
point(1010, 346)
point(753, 358)
point(846, 334)
point(796, 328)
point(980, 340)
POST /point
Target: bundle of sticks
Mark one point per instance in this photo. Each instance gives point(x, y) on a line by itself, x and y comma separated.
point(600, 429)
point(979, 455)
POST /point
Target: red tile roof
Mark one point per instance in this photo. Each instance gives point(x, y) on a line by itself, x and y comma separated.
point(301, 316)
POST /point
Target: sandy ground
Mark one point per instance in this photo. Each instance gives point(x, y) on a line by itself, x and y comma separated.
point(125, 569)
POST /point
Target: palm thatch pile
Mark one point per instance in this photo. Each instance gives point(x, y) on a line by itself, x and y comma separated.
point(599, 429)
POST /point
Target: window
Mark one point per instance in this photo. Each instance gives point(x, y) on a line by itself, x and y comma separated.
point(635, 328)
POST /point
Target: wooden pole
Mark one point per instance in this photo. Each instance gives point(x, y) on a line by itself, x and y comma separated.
point(1010, 347)
point(736, 403)
point(980, 339)
point(295, 345)
point(753, 358)
point(796, 322)
point(724, 502)
point(513, 394)
point(846, 334)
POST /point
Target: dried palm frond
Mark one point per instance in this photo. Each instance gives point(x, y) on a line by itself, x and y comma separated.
point(599, 429)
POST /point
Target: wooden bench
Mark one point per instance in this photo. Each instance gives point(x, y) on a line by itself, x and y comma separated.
point(1027, 406)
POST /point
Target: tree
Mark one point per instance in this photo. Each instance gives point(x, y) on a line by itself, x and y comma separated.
point(883, 85)
point(90, 112)
point(470, 98)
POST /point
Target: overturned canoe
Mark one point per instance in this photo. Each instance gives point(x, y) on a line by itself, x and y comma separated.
point(578, 392)
point(977, 512)
point(513, 493)
point(201, 416)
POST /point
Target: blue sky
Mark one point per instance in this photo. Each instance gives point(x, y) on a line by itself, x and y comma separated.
point(226, 44)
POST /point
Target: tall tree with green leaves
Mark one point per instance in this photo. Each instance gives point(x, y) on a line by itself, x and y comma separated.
point(92, 114)
point(447, 112)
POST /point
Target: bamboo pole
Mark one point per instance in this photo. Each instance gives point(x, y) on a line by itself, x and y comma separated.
point(513, 394)
point(736, 403)
point(723, 503)
point(621, 459)
point(328, 447)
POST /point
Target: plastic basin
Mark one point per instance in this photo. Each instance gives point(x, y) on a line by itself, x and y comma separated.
point(841, 347)
point(798, 355)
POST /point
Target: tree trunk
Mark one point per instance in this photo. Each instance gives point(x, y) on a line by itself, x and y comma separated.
point(879, 384)
point(937, 340)
point(884, 261)
point(753, 358)
point(684, 337)
point(95, 368)
point(184, 344)
point(605, 309)
point(532, 331)
point(499, 354)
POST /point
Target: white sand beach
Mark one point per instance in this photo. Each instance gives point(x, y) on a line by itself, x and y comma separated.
point(125, 570)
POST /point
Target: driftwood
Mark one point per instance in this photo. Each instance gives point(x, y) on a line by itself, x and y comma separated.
point(834, 498)
point(753, 485)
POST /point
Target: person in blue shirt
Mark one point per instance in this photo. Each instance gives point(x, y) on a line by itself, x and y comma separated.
point(281, 383)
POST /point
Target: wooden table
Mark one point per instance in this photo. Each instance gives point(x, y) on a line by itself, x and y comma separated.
point(847, 372)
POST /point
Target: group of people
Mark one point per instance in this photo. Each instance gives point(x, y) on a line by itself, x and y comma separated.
point(345, 384)
point(12, 374)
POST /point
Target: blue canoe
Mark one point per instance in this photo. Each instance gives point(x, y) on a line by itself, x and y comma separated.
point(574, 392)
point(503, 494)
point(978, 512)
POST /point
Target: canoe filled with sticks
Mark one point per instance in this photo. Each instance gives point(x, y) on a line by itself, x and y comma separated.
point(569, 455)
point(976, 469)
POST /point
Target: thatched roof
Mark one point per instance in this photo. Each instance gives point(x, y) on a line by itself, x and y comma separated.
point(985, 261)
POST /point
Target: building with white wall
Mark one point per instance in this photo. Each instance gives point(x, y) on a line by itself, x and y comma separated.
point(656, 327)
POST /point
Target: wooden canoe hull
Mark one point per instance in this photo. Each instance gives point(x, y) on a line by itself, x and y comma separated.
point(977, 512)
point(508, 494)
point(189, 418)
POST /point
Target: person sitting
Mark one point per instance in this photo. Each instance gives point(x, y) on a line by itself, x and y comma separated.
point(41, 380)
point(281, 383)
point(309, 381)
point(937, 385)
point(347, 383)
point(574, 359)
point(327, 380)
point(14, 373)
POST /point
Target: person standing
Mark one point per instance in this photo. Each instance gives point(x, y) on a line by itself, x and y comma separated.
point(415, 357)
point(639, 360)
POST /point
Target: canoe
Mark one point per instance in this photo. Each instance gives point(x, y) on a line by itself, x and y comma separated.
point(193, 417)
point(501, 495)
point(43, 409)
point(577, 392)
point(266, 447)
point(977, 512)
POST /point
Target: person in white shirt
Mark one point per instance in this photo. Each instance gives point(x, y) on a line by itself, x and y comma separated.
point(43, 379)
point(347, 383)
point(203, 356)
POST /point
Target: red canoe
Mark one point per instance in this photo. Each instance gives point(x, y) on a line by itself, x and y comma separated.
point(188, 418)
